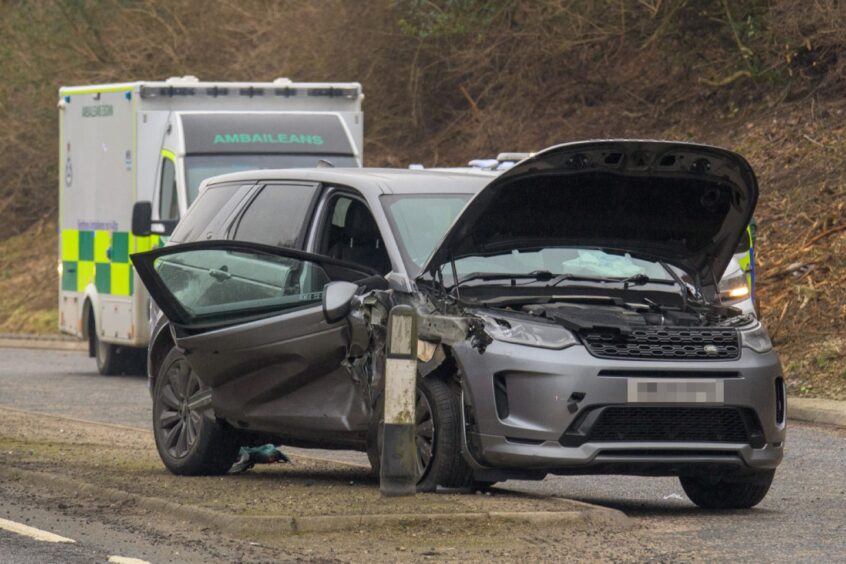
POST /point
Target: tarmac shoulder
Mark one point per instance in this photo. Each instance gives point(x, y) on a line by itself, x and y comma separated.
point(817, 410)
point(50, 342)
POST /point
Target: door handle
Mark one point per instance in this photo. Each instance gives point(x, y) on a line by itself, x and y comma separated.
point(220, 274)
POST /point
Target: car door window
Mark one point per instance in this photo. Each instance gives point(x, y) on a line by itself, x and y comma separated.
point(216, 283)
point(212, 202)
point(350, 233)
point(222, 283)
point(168, 202)
point(277, 215)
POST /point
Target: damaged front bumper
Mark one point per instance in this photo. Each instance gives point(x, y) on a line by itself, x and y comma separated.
point(529, 410)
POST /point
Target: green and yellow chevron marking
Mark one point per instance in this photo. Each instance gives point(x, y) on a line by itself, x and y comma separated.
point(102, 258)
point(746, 260)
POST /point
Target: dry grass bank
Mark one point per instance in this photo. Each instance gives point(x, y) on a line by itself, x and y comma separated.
point(449, 80)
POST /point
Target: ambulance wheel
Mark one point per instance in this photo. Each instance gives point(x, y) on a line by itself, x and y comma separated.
point(191, 441)
point(114, 359)
point(109, 359)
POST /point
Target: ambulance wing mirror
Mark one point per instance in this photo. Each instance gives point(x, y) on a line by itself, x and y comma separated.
point(143, 224)
point(142, 219)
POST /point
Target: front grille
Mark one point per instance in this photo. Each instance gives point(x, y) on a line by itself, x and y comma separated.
point(677, 424)
point(683, 343)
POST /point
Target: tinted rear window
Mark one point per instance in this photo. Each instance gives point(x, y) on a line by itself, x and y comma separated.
point(203, 211)
point(277, 215)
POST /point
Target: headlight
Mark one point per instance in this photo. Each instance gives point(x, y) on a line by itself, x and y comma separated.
point(756, 339)
point(547, 336)
point(734, 289)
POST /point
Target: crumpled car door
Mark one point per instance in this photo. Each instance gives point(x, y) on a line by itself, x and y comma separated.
point(250, 320)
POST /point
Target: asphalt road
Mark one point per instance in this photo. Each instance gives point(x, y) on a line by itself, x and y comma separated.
point(802, 519)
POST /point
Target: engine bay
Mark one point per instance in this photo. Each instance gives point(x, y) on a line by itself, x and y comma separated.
point(617, 314)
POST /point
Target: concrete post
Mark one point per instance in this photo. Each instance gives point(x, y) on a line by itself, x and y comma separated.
point(398, 474)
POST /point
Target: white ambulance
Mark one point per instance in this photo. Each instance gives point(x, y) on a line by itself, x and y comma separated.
point(146, 147)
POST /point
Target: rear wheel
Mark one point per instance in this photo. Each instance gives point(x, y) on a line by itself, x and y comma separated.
point(728, 492)
point(437, 438)
point(191, 441)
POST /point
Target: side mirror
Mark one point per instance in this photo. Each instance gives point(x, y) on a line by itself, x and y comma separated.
point(143, 224)
point(142, 219)
point(336, 300)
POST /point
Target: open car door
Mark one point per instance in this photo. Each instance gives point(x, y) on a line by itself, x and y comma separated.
point(250, 320)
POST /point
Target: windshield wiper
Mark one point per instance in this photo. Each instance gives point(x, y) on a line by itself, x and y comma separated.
point(635, 280)
point(539, 275)
point(554, 280)
point(641, 279)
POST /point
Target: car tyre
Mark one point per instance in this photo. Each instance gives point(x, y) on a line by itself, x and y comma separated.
point(113, 360)
point(728, 492)
point(438, 424)
point(190, 442)
point(110, 358)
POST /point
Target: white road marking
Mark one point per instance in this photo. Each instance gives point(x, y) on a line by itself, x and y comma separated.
point(31, 532)
point(126, 560)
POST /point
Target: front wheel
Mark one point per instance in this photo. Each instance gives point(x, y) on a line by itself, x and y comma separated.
point(114, 359)
point(728, 492)
point(437, 437)
point(109, 359)
point(191, 441)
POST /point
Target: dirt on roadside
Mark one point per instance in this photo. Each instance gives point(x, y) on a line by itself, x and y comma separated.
point(126, 460)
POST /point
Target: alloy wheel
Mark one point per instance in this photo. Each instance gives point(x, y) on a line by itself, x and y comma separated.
point(179, 424)
point(424, 434)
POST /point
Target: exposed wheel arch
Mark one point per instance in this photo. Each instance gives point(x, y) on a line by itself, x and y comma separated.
point(158, 349)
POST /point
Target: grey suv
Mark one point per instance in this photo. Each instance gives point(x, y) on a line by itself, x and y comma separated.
point(568, 310)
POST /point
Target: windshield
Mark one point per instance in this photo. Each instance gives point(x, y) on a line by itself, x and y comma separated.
point(200, 167)
point(420, 221)
point(574, 261)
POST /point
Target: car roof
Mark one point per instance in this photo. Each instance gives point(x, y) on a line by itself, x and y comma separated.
point(372, 180)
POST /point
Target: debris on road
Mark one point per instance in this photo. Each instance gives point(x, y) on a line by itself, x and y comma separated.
point(264, 454)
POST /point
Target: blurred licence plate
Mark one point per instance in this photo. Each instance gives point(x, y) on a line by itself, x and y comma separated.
point(672, 390)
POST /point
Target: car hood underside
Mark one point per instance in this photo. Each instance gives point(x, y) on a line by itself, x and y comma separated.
point(682, 203)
